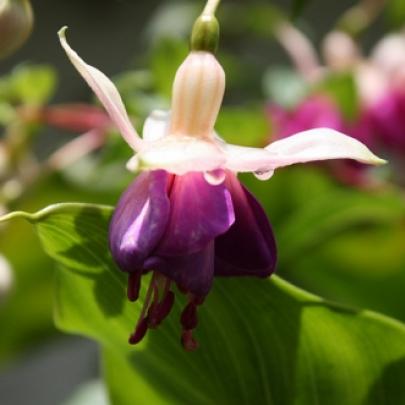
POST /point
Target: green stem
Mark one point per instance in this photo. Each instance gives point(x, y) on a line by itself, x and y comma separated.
point(359, 17)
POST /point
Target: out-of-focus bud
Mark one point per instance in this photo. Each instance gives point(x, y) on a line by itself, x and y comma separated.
point(6, 277)
point(339, 50)
point(389, 57)
point(371, 83)
point(205, 35)
point(16, 20)
point(4, 160)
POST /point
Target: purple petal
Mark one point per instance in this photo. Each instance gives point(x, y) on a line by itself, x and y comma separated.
point(140, 219)
point(199, 212)
point(248, 248)
point(193, 273)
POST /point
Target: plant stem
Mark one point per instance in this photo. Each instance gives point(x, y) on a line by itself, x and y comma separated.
point(211, 7)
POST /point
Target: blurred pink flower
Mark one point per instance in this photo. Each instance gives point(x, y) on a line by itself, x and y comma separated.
point(379, 80)
point(77, 117)
point(315, 111)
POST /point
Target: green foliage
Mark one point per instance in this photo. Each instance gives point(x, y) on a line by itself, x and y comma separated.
point(138, 92)
point(247, 126)
point(258, 19)
point(29, 84)
point(395, 13)
point(26, 314)
point(166, 57)
point(261, 340)
point(298, 7)
point(104, 172)
point(344, 244)
point(342, 88)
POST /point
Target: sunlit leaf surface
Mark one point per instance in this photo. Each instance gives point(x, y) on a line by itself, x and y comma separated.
point(261, 341)
point(342, 243)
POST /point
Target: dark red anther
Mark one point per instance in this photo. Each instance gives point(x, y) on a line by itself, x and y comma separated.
point(189, 318)
point(134, 285)
point(140, 332)
point(188, 341)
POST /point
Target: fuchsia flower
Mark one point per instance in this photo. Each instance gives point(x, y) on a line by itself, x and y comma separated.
point(384, 113)
point(186, 218)
point(314, 112)
point(379, 81)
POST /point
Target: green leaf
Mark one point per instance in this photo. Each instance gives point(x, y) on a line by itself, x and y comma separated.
point(262, 341)
point(258, 19)
point(339, 210)
point(358, 237)
point(341, 243)
point(7, 113)
point(247, 126)
point(26, 314)
point(342, 88)
point(167, 56)
point(68, 223)
point(136, 87)
point(395, 13)
point(102, 172)
point(32, 84)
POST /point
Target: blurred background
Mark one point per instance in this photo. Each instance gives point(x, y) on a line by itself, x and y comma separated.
point(340, 228)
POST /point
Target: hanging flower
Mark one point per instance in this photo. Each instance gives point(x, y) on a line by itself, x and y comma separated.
point(314, 112)
point(379, 83)
point(379, 80)
point(186, 218)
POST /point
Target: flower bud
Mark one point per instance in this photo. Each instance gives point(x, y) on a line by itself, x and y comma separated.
point(205, 34)
point(16, 19)
point(389, 57)
point(340, 51)
point(198, 90)
point(6, 277)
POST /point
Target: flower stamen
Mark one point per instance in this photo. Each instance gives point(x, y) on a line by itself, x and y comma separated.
point(189, 321)
point(159, 301)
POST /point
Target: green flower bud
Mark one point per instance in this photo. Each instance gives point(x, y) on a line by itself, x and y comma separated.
point(205, 34)
point(16, 20)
